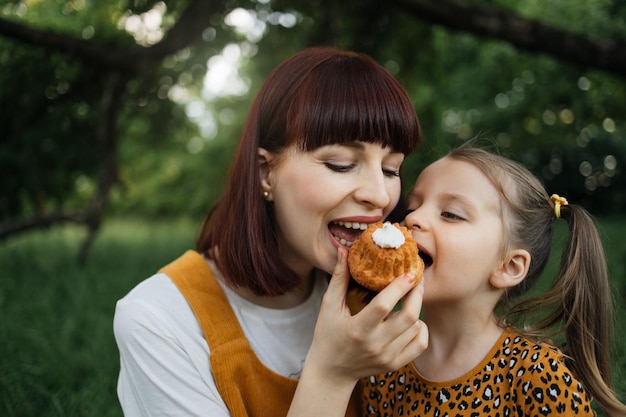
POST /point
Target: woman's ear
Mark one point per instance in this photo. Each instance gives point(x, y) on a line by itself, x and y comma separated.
point(513, 270)
point(265, 164)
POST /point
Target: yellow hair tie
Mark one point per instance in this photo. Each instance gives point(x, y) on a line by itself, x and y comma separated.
point(558, 202)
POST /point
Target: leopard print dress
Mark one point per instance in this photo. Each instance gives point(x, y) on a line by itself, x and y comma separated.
point(518, 377)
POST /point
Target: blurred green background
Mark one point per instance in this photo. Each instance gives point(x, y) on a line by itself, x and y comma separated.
point(118, 120)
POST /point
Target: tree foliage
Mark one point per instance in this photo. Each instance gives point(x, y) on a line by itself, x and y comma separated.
point(105, 107)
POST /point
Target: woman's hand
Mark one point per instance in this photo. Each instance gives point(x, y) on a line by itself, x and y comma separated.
point(375, 340)
point(346, 348)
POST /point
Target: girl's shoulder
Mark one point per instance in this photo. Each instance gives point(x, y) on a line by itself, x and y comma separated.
point(524, 351)
point(528, 359)
point(519, 376)
point(542, 373)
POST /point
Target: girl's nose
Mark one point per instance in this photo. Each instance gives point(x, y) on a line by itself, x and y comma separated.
point(414, 220)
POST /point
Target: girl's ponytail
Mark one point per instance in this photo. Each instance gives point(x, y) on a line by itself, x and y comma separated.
point(585, 308)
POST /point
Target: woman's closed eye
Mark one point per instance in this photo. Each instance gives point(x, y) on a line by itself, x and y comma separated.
point(338, 167)
point(391, 172)
point(347, 167)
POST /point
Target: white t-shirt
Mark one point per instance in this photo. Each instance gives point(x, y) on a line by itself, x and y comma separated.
point(164, 357)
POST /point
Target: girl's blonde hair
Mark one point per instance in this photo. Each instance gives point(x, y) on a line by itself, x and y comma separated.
point(579, 302)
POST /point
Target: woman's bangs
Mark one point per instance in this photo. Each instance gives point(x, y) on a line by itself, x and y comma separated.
point(354, 105)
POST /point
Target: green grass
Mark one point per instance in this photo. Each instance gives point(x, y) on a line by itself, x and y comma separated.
point(58, 355)
point(57, 352)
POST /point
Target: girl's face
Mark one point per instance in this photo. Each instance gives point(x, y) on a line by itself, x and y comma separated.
point(322, 198)
point(456, 221)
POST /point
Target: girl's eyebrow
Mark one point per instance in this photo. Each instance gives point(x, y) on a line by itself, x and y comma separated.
point(457, 198)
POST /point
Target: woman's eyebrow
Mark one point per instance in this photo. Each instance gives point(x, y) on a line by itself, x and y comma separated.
point(357, 144)
point(353, 144)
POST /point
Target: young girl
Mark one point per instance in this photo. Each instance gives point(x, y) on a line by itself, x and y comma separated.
point(484, 226)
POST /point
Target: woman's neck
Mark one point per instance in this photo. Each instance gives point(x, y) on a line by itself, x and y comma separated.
point(291, 299)
point(285, 301)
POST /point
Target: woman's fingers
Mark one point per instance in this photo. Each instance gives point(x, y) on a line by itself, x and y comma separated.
point(380, 307)
point(399, 335)
point(335, 297)
point(374, 340)
point(341, 273)
point(409, 308)
point(410, 344)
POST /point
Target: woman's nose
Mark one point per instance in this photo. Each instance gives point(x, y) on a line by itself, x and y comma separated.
point(374, 190)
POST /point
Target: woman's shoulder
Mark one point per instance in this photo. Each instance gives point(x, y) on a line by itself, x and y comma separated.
point(156, 291)
point(155, 304)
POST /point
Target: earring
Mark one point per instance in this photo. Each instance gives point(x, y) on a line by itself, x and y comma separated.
point(266, 195)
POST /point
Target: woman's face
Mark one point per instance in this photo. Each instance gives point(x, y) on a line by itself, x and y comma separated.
point(456, 220)
point(323, 198)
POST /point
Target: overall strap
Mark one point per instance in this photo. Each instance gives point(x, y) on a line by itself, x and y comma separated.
point(196, 282)
point(248, 388)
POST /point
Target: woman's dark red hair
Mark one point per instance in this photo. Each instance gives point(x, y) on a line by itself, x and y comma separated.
point(317, 97)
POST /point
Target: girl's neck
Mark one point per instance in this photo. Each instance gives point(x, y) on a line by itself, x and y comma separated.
point(456, 346)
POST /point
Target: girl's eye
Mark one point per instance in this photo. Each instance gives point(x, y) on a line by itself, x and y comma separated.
point(450, 216)
point(338, 168)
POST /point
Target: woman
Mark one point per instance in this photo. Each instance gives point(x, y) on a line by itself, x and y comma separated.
point(318, 159)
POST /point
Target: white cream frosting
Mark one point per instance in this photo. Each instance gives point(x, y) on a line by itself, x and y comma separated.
point(388, 236)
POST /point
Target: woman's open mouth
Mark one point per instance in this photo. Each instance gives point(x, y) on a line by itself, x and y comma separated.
point(346, 232)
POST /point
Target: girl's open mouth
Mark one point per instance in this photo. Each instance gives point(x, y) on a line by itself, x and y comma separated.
point(428, 260)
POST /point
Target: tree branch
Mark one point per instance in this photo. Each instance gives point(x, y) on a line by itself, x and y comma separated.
point(87, 51)
point(108, 140)
point(117, 65)
point(14, 227)
point(130, 58)
point(527, 34)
